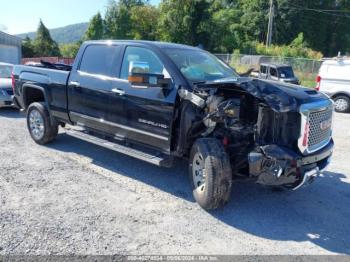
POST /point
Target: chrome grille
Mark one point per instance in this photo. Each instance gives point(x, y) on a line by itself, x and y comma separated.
point(318, 135)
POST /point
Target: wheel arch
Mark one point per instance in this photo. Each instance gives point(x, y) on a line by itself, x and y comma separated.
point(187, 121)
point(38, 92)
point(342, 93)
point(34, 93)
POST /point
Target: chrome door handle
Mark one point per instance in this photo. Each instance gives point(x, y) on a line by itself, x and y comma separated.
point(118, 91)
point(74, 83)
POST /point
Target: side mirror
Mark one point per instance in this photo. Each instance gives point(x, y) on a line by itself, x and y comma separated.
point(140, 76)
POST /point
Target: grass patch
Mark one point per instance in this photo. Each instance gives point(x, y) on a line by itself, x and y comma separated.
point(307, 79)
point(241, 68)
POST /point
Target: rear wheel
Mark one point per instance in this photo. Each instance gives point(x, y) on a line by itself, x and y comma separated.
point(39, 124)
point(210, 173)
point(342, 104)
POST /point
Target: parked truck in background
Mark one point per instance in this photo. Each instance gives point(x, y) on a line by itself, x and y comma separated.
point(276, 72)
point(160, 101)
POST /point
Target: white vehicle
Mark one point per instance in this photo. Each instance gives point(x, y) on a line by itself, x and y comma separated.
point(334, 80)
point(6, 91)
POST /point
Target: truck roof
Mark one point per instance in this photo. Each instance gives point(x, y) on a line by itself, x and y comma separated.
point(144, 42)
point(345, 61)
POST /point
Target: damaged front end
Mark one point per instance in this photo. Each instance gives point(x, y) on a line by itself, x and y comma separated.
point(274, 165)
point(264, 127)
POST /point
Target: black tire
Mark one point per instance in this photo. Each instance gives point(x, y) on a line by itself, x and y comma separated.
point(50, 130)
point(217, 170)
point(345, 106)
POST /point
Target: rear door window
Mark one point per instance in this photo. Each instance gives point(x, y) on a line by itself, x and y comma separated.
point(100, 60)
point(273, 72)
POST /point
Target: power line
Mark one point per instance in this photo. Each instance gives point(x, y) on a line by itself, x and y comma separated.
point(324, 10)
point(323, 20)
point(319, 11)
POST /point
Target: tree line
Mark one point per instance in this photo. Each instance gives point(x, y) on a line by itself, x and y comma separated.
point(303, 28)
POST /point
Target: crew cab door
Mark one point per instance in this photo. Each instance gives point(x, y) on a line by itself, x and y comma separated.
point(263, 72)
point(149, 110)
point(92, 101)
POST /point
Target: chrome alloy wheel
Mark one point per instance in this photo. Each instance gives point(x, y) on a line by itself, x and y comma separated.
point(198, 173)
point(36, 124)
point(341, 104)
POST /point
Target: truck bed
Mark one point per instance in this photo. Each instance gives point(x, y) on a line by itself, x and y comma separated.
point(52, 81)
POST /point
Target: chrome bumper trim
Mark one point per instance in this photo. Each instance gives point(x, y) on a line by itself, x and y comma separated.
point(307, 176)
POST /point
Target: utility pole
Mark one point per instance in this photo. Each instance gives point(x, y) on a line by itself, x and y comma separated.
point(270, 25)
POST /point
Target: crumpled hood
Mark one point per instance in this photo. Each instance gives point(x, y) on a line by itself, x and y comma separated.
point(281, 97)
point(5, 83)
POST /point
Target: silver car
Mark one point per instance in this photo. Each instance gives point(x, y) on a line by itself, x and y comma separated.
point(6, 91)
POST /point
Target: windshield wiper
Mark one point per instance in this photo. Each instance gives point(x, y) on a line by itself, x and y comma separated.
point(198, 83)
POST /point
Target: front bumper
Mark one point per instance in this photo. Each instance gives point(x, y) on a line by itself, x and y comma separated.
point(5, 100)
point(273, 165)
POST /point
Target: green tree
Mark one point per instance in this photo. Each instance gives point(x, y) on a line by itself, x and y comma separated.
point(254, 18)
point(324, 30)
point(27, 47)
point(95, 30)
point(43, 43)
point(226, 34)
point(118, 22)
point(226, 25)
point(185, 21)
point(144, 22)
point(132, 3)
point(70, 50)
point(111, 26)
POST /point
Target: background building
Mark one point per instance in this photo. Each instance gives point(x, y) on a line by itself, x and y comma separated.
point(10, 48)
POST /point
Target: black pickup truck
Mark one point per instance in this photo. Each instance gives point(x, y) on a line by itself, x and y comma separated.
point(160, 101)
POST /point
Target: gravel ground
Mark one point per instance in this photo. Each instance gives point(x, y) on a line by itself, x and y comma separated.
point(72, 197)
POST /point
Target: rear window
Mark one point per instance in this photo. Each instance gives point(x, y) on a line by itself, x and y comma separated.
point(286, 72)
point(100, 60)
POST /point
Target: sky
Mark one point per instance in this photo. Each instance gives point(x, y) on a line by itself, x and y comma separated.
point(22, 16)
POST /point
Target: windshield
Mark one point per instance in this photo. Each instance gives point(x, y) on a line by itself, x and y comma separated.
point(5, 71)
point(286, 72)
point(199, 66)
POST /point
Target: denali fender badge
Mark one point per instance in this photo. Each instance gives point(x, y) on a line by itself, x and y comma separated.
point(197, 100)
point(151, 123)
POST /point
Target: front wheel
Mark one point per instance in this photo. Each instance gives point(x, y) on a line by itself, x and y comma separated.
point(210, 173)
point(39, 124)
point(342, 104)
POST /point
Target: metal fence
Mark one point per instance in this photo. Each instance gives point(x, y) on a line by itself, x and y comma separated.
point(253, 61)
point(53, 59)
